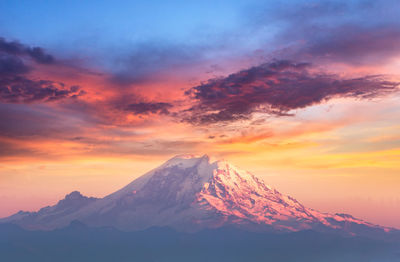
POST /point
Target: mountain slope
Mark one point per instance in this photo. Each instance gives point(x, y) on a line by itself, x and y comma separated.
point(46, 217)
point(191, 193)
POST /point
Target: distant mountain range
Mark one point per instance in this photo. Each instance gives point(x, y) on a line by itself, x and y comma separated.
point(190, 193)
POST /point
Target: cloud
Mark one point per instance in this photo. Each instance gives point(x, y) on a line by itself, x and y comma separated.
point(330, 31)
point(21, 121)
point(17, 49)
point(40, 56)
point(144, 108)
point(352, 43)
point(322, 33)
point(12, 65)
point(19, 89)
point(275, 88)
point(11, 150)
point(153, 146)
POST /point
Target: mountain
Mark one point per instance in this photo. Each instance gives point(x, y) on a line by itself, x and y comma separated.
point(190, 193)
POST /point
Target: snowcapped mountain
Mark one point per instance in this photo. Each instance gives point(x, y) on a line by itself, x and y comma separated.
point(190, 193)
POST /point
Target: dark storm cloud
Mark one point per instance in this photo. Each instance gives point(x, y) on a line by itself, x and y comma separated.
point(18, 49)
point(144, 108)
point(275, 88)
point(19, 89)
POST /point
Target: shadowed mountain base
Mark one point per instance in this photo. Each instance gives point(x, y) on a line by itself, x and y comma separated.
point(78, 242)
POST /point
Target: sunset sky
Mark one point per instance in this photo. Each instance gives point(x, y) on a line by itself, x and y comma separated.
point(303, 94)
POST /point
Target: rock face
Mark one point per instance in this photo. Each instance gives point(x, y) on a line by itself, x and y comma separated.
point(190, 193)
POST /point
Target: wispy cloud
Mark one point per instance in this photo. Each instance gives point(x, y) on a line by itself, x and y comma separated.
point(15, 48)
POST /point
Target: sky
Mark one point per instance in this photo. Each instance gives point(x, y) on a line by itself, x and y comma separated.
point(304, 94)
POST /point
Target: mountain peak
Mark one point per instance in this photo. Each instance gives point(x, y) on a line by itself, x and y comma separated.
point(186, 160)
point(190, 156)
point(74, 195)
point(75, 198)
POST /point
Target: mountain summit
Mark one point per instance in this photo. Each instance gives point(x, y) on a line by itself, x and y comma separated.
point(190, 193)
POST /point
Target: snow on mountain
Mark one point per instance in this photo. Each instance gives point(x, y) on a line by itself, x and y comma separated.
point(190, 193)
